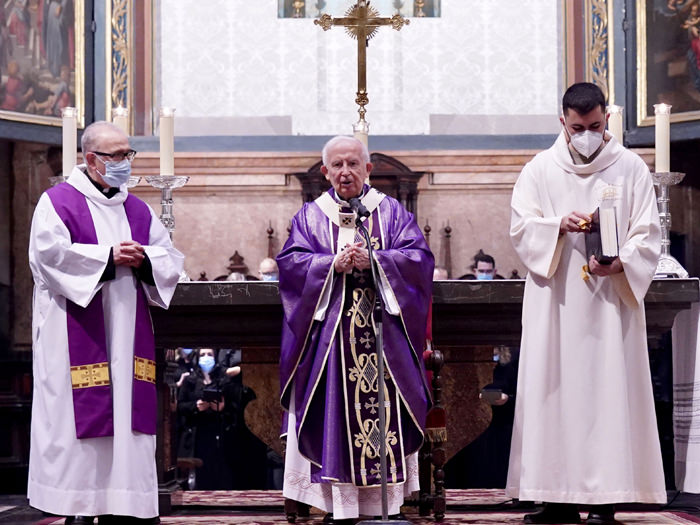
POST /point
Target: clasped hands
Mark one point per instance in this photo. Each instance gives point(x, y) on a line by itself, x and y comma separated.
point(577, 222)
point(128, 253)
point(353, 255)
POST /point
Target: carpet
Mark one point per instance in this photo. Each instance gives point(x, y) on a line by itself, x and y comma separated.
point(452, 518)
point(265, 507)
point(273, 498)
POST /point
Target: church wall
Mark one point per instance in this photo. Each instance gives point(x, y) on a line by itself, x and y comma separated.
point(231, 199)
point(5, 243)
point(31, 179)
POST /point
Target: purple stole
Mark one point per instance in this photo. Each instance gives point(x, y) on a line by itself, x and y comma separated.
point(87, 343)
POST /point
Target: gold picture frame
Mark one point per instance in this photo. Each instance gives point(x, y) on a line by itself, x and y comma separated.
point(42, 60)
point(666, 71)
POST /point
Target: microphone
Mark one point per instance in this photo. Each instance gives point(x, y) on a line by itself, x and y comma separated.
point(358, 207)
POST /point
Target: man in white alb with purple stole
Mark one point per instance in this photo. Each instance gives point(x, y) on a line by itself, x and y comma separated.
point(585, 427)
point(328, 365)
point(99, 257)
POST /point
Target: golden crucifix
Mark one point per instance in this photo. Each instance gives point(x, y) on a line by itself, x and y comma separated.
point(361, 21)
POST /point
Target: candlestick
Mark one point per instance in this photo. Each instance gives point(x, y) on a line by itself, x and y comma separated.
point(166, 184)
point(70, 139)
point(662, 135)
point(360, 131)
point(667, 266)
point(615, 122)
point(120, 117)
point(167, 141)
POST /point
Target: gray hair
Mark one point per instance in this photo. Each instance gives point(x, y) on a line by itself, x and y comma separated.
point(343, 138)
point(91, 135)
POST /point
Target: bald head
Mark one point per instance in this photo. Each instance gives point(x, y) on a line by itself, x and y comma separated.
point(100, 140)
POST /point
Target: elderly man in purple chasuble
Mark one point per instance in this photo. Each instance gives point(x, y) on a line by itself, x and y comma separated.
point(99, 257)
point(328, 367)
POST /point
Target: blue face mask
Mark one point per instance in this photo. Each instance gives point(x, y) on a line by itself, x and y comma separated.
point(206, 363)
point(484, 276)
point(116, 173)
point(187, 351)
point(270, 277)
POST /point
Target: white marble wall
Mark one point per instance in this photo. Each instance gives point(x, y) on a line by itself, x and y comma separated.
point(236, 64)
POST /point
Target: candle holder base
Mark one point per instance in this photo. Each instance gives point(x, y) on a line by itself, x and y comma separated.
point(57, 179)
point(669, 267)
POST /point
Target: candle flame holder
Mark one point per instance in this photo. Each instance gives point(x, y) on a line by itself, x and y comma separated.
point(166, 184)
point(57, 179)
point(668, 266)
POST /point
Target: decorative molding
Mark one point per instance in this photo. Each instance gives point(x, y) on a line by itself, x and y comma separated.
point(598, 47)
point(119, 52)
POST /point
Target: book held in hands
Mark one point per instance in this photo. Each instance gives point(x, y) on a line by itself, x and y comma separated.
point(601, 238)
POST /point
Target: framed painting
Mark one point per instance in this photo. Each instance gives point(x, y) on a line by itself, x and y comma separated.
point(668, 59)
point(42, 60)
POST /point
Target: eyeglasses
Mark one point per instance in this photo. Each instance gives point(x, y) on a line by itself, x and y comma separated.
point(119, 155)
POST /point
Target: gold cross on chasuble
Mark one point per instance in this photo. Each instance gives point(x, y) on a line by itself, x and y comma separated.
point(361, 21)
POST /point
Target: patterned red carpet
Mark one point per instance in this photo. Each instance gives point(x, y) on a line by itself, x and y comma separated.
point(265, 508)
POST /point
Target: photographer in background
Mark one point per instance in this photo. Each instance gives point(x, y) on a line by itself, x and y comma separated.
point(207, 418)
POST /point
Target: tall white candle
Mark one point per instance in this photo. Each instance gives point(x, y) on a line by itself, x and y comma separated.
point(663, 137)
point(167, 141)
point(615, 122)
point(70, 139)
point(120, 117)
point(360, 131)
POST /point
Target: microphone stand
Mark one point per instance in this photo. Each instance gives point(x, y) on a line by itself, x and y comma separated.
point(377, 315)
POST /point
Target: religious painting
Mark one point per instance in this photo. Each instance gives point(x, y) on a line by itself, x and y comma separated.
point(315, 8)
point(668, 58)
point(41, 60)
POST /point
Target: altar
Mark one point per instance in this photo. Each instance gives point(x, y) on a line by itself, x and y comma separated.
point(469, 318)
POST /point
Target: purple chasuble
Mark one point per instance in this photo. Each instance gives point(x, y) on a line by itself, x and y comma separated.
point(87, 344)
point(329, 366)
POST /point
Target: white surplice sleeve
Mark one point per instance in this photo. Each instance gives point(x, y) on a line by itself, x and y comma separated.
point(166, 262)
point(72, 270)
point(535, 238)
point(641, 246)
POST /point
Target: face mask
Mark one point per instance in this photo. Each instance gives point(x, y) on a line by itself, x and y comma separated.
point(206, 363)
point(586, 142)
point(270, 277)
point(187, 351)
point(116, 173)
point(484, 276)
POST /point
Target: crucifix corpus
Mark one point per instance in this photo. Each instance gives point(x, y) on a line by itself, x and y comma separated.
point(361, 21)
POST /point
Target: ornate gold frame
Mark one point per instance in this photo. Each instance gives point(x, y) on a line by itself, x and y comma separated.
point(118, 60)
point(79, 74)
point(644, 119)
point(599, 46)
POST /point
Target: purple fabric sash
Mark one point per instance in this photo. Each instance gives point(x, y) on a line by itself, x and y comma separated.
point(87, 344)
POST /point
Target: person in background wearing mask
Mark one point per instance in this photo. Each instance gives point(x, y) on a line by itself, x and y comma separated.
point(185, 364)
point(483, 268)
point(268, 270)
point(99, 256)
point(585, 427)
point(201, 403)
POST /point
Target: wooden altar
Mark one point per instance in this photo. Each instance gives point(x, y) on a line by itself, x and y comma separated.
point(469, 318)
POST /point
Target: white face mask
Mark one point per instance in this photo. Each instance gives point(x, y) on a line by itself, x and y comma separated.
point(586, 142)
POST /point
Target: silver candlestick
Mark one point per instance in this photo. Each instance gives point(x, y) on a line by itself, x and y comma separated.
point(667, 266)
point(166, 184)
point(133, 181)
point(57, 179)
